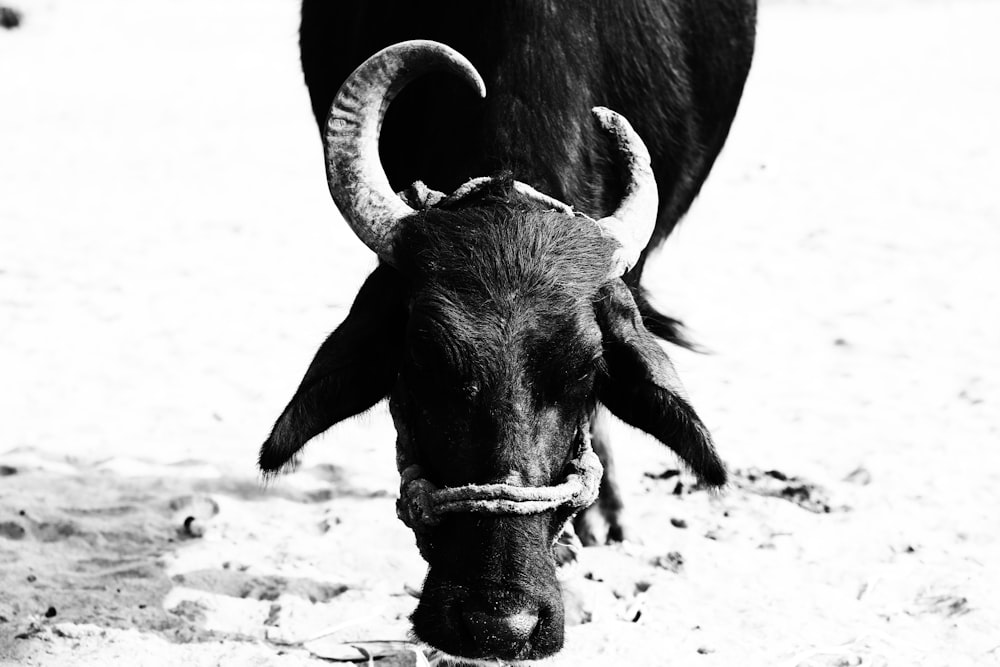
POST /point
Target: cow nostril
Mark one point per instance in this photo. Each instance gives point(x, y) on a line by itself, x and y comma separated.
point(501, 636)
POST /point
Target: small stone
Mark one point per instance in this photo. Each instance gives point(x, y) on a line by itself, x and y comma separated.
point(329, 649)
point(9, 18)
point(192, 528)
point(673, 561)
point(666, 474)
point(50, 612)
point(859, 476)
point(32, 578)
point(705, 650)
point(272, 614)
point(678, 523)
point(7, 471)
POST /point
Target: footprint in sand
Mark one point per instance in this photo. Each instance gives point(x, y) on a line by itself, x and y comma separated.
point(258, 587)
point(43, 531)
point(11, 530)
point(54, 531)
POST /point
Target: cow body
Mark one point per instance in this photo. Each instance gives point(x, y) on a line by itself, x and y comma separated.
point(493, 323)
point(674, 68)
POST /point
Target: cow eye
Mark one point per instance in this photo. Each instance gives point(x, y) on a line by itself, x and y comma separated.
point(568, 382)
point(436, 354)
point(585, 375)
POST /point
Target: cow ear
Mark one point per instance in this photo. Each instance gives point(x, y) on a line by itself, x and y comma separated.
point(353, 370)
point(639, 385)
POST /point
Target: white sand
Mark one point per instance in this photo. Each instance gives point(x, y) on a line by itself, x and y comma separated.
point(170, 259)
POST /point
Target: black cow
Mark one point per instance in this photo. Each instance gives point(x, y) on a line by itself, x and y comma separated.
point(499, 318)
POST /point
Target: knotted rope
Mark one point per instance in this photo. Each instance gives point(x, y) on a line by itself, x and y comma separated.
point(421, 503)
point(421, 197)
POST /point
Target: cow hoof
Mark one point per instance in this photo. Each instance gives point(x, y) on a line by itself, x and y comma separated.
point(592, 525)
point(617, 533)
point(618, 530)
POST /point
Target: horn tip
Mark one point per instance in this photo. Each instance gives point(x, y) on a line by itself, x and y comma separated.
point(606, 117)
point(460, 64)
point(613, 122)
point(628, 139)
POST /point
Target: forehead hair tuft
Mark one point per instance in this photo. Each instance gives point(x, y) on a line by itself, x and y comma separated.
point(499, 246)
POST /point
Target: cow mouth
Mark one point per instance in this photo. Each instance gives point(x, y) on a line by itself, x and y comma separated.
point(477, 625)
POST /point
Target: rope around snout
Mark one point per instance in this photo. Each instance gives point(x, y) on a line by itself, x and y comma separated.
point(421, 503)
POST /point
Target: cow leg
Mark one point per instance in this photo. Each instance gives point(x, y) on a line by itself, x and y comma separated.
point(609, 506)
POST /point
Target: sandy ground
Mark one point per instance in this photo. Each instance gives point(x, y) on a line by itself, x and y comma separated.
point(170, 259)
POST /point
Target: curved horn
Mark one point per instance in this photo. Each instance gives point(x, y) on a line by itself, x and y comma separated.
point(631, 225)
point(357, 181)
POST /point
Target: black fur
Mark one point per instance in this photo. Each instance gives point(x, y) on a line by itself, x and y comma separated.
point(674, 68)
point(639, 385)
point(501, 310)
point(499, 330)
point(352, 371)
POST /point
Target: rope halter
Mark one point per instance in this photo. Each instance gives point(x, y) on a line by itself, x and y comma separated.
point(422, 504)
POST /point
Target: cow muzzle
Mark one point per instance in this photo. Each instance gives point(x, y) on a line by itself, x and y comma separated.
point(491, 592)
point(488, 622)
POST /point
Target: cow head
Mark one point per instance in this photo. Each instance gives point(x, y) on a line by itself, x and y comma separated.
point(495, 323)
